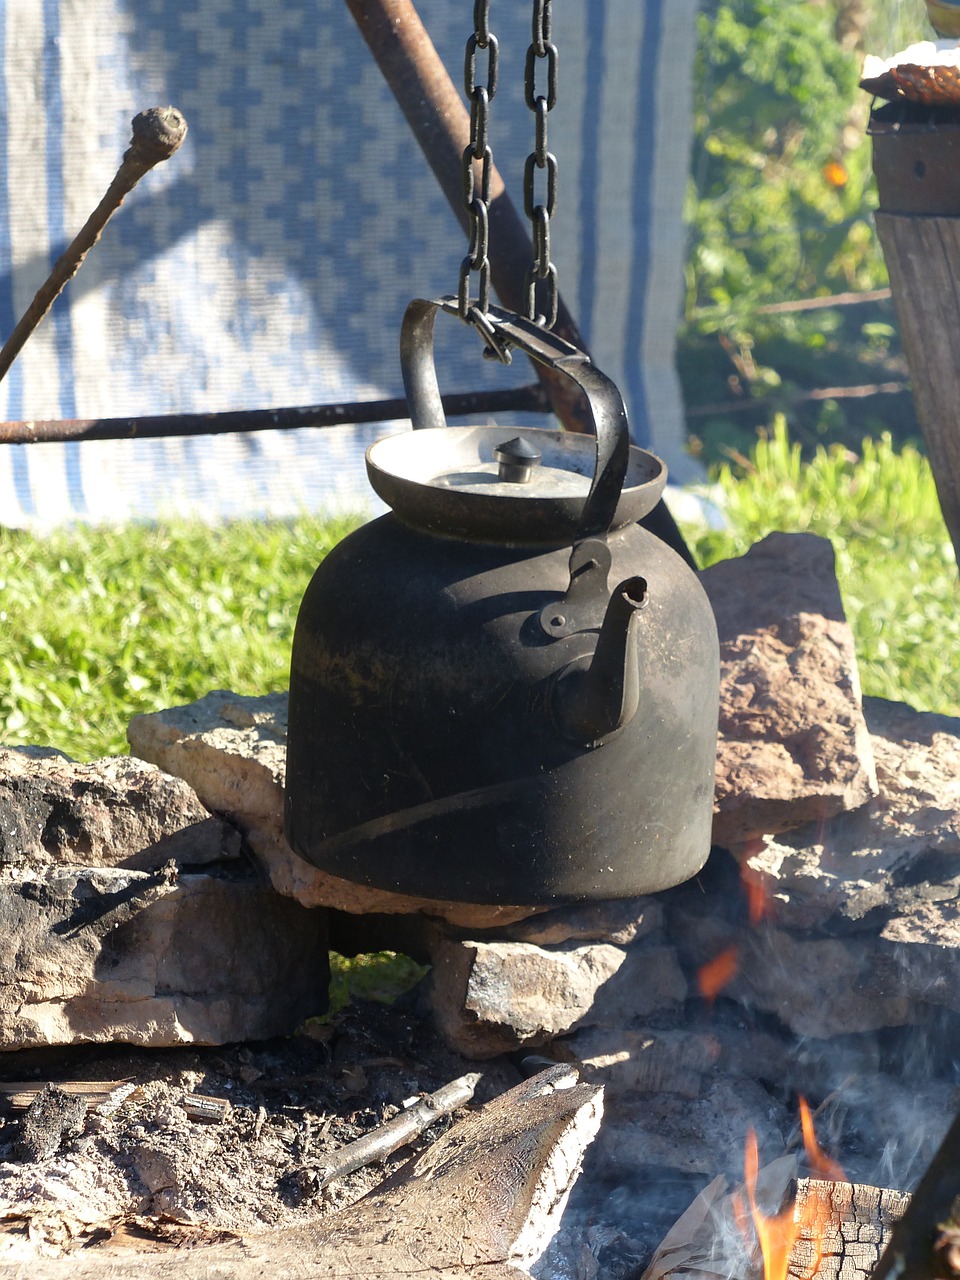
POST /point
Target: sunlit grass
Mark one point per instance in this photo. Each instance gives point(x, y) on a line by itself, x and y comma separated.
point(895, 562)
point(380, 976)
point(100, 624)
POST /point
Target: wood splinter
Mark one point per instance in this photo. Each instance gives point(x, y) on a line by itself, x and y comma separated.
point(396, 1133)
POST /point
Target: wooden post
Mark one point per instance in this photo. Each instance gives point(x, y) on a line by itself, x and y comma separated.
point(923, 259)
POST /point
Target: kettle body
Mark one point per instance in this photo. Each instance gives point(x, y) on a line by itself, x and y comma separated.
point(478, 715)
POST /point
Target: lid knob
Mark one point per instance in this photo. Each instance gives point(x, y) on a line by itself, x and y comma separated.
point(516, 459)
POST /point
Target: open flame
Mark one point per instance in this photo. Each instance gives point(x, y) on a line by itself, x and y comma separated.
point(718, 973)
point(821, 1165)
point(759, 902)
point(778, 1233)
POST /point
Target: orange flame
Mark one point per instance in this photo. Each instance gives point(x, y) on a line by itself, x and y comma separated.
point(759, 905)
point(718, 973)
point(759, 900)
point(776, 1234)
point(821, 1165)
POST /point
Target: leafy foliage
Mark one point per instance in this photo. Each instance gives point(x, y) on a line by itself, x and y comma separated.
point(780, 204)
point(780, 210)
point(380, 975)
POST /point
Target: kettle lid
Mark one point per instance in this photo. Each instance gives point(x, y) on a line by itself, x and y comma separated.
point(502, 484)
point(495, 484)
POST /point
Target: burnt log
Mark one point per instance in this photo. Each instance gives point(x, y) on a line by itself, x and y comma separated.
point(843, 1227)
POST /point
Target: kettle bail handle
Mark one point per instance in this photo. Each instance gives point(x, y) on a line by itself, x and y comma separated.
point(605, 403)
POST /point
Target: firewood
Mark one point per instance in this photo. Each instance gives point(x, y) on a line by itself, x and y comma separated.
point(97, 1094)
point(482, 1202)
point(104, 1096)
point(397, 1132)
point(843, 1228)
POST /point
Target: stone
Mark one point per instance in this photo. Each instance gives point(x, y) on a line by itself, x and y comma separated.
point(892, 864)
point(704, 1135)
point(824, 987)
point(817, 986)
point(232, 750)
point(620, 922)
point(153, 958)
point(863, 909)
point(490, 998)
point(117, 812)
point(793, 743)
point(644, 1061)
point(296, 878)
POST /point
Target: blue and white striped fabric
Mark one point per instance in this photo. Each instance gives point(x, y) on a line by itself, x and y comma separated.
point(269, 262)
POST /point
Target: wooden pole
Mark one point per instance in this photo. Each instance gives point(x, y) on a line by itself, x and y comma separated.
point(923, 259)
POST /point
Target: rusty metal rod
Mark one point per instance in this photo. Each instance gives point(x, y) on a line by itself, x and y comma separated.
point(440, 122)
point(528, 399)
point(157, 133)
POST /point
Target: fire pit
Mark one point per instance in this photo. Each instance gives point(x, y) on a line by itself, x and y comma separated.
point(815, 954)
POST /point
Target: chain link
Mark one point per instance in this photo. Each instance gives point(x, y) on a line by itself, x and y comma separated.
point(476, 196)
point(541, 283)
point(540, 286)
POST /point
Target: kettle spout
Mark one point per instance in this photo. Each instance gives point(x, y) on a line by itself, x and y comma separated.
point(589, 703)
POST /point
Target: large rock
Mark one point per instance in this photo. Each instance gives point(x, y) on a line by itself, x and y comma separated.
point(232, 750)
point(793, 746)
point(128, 914)
point(861, 912)
point(161, 958)
point(494, 997)
point(891, 865)
point(118, 812)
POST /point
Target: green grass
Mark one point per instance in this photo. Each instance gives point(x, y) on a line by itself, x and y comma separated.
point(100, 624)
point(380, 976)
point(895, 562)
point(97, 625)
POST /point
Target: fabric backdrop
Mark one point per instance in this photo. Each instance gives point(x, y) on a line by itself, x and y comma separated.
point(269, 261)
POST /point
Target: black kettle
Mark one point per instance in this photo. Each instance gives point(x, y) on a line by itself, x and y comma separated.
point(505, 690)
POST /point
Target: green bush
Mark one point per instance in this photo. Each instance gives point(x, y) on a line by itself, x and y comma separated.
point(780, 210)
point(780, 199)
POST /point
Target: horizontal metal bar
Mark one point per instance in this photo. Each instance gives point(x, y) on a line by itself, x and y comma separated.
point(528, 399)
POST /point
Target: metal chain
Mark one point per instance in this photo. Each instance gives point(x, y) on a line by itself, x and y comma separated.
point(542, 302)
point(541, 287)
point(476, 196)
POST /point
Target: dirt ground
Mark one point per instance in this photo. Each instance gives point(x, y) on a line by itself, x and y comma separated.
point(147, 1175)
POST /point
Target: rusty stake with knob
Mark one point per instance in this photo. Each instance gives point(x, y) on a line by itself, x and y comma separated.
point(157, 133)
